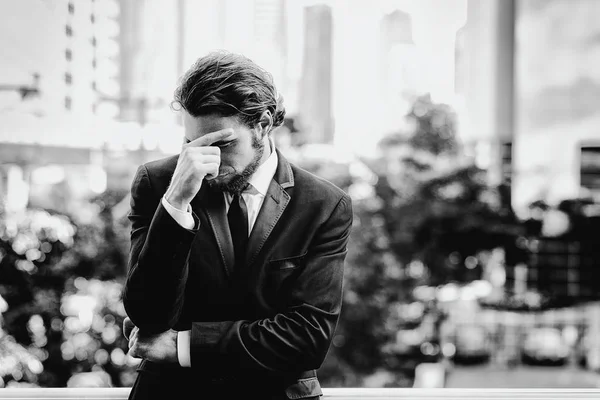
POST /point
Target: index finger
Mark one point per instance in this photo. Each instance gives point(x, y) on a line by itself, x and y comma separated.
point(211, 137)
point(128, 326)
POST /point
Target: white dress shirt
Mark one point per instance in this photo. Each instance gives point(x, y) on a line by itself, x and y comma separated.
point(260, 181)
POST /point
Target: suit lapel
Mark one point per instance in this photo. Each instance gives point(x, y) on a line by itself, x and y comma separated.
point(274, 204)
point(213, 203)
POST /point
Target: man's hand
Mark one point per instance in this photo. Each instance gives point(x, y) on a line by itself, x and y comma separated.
point(198, 159)
point(127, 327)
point(159, 348)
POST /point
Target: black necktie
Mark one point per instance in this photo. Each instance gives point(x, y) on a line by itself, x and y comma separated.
point(238, 225)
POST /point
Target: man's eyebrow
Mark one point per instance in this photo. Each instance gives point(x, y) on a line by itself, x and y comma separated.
point(220, 142)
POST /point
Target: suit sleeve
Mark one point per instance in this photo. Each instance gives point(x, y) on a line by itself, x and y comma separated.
point(299, 338)
point(157, 266)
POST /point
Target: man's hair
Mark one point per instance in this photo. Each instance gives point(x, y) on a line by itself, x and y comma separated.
point(229, 84)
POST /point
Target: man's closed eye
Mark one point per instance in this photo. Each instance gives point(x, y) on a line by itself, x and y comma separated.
point(223, 144)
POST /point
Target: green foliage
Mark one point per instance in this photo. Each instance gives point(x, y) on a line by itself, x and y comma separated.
point(435, 127)
point(372, 288)
point(430, 210)
point(437, 203)
point(61, 278)
point(375, 286)
point(454, 214)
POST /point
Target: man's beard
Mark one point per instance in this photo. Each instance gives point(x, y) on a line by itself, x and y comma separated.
point(239, 180)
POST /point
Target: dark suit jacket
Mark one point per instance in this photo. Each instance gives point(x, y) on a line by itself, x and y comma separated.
point(271, 321)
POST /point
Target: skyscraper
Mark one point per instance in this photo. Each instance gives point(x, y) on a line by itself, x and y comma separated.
point(398, 60)
point(69, 45)
point(270, 38)
point(255, 28)
point(150, 59)
point(315, 104)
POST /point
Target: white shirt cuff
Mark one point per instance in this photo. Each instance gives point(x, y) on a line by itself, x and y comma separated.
point(183, 348)
point(183, 218)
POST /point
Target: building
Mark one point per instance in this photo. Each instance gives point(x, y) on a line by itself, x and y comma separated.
point(66, 131)
point(151, 56)
point(69, 46)
point(530, 94)
point(255, 28)
point(383, 53)
point(315, 89)
point(399, 64)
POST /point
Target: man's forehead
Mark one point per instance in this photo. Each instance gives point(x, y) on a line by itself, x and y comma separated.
point(204, 124)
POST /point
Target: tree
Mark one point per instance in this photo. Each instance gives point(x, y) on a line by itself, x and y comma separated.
point(434, 127)
point(438, 203)
point(61, 280)
point(430, 214)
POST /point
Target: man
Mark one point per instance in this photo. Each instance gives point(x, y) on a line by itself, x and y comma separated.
point(235, 274)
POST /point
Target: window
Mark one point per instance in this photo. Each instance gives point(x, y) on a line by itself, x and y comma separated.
point(71, 8)
point(68, 102)
point(69, 30)
point(68, 78)
point(589, 168)
point(68, 54)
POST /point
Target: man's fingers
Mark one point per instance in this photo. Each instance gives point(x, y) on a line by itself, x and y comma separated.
point(206, 158)
point(133, 336)
point(133, 352)
point(204, 150)
point(127, 327)
point(212, 137)
point(213, 171)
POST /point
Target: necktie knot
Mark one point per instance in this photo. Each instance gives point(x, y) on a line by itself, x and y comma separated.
point(248, 188)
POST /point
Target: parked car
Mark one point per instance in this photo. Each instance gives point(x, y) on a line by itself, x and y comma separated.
point(588, 352)
point(472, 344)
point(545, 346)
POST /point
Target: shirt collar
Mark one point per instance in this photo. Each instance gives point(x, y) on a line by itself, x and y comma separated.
point(261, 179)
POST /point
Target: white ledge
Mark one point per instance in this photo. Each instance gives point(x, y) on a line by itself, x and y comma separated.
point(328, 393)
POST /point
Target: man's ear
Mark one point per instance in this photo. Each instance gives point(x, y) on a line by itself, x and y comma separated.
point(265, 123)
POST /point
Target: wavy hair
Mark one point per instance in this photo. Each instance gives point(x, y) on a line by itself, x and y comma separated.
point(229, 84)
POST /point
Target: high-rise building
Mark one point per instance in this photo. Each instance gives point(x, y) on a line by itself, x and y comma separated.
point(487, 69)
point(540, 118)
point(70, 46)
point(106, 54)
point(557, 89)
point(150, 59)
point(461, 72)
point(270, 37)
point(255, 28)
point(399, 67)
point(315, 92)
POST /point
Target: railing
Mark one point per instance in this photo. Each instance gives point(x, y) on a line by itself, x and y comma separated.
point(328, 393)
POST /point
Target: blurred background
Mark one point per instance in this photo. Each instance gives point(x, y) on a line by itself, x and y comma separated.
point(466, 131)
